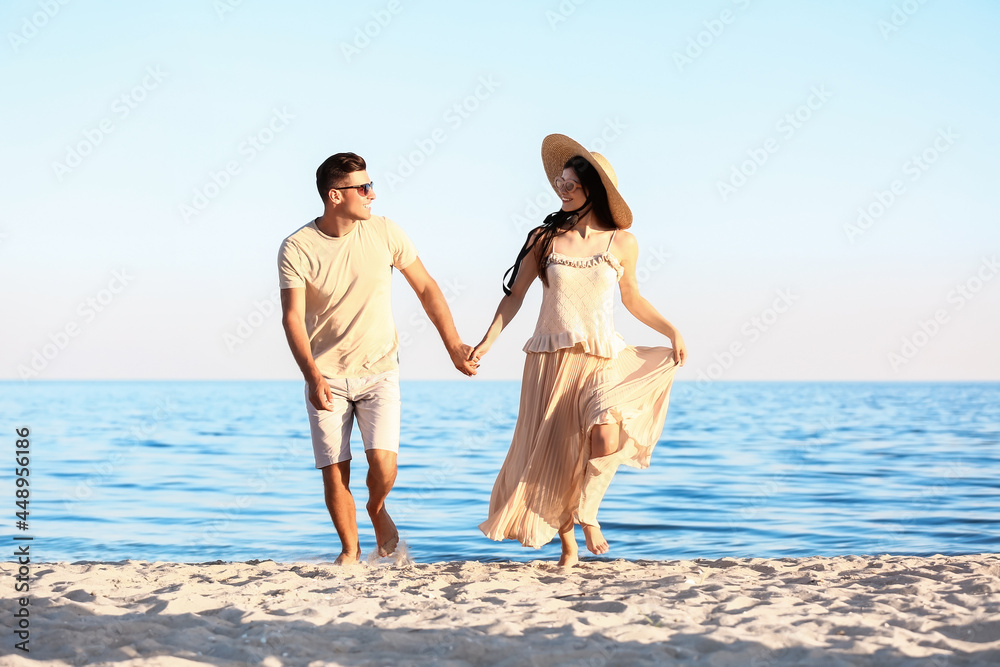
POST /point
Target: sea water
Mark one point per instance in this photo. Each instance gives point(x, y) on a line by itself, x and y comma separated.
point(200, 471)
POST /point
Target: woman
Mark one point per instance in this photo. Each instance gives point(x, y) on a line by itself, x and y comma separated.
point(589, 402)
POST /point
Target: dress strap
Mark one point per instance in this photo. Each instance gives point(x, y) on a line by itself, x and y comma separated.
point(611, 241)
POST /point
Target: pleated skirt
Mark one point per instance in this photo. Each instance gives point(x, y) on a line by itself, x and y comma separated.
point(564, 394)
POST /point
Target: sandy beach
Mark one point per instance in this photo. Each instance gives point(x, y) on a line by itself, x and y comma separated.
point(848, 610)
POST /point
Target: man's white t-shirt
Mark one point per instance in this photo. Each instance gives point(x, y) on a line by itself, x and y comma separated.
point(347, 281)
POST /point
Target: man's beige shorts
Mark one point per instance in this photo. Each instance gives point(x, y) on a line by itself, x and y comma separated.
point(373, 400)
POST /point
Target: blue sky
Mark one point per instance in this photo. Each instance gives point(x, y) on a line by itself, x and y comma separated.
point(155, 156)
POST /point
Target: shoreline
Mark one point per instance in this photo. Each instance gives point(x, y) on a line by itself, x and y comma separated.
point(367, 559)
point(818, 610)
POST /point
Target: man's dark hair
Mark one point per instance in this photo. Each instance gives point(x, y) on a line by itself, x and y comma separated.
point(335, 169)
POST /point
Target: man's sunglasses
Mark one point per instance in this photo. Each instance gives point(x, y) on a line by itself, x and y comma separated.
point(363, 190)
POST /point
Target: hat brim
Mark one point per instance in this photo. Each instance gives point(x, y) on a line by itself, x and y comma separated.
point(558, 148)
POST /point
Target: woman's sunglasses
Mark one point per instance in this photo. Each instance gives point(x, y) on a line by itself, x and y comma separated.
point(562, 185)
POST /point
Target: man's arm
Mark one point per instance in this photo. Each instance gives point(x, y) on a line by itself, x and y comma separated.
point(293, 320)
point(437, 310)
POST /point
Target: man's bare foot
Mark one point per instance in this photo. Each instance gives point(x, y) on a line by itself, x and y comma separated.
point(386, 534)
point(348, 558)
point(596, 543)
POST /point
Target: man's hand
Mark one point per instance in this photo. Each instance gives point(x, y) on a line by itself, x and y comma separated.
point(461, 356)
point(320, 395)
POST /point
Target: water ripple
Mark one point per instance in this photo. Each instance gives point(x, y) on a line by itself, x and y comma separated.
point(198, 471)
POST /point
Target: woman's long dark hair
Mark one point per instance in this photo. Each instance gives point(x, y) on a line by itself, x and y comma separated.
point(561, 221)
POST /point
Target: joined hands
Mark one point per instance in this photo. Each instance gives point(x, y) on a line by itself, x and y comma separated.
point(461, 356)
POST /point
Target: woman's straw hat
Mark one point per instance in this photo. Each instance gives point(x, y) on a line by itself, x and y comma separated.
point(557, 148)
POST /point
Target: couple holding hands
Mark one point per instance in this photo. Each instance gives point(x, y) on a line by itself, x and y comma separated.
point(589, 402)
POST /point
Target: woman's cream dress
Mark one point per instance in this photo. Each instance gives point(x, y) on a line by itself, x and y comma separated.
point(578, 373)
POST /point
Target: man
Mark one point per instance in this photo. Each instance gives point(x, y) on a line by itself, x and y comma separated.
point(335, 275)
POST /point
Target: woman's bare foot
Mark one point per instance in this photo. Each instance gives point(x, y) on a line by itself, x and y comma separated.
point(596, 543)
point(569, 559)
point(570, 552)
point(386, 534)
